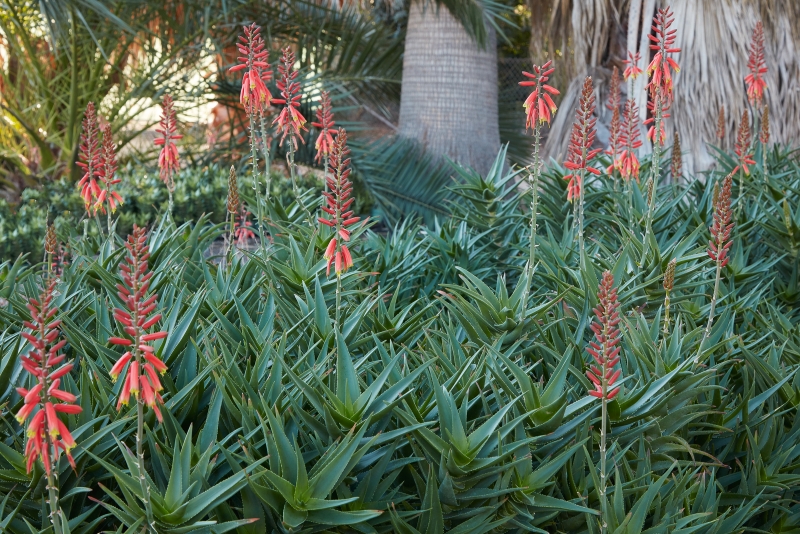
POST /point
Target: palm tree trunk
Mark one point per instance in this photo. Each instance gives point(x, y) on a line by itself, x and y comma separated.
point(449, 90)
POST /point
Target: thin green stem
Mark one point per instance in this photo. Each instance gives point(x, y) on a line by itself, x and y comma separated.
point(666, 314)
point(267, 179)
point(533, 181)
point(52, 491)
point(295, 188)
point(711, 311)
point(231, 236)
point(603, 474)
point(655, 173)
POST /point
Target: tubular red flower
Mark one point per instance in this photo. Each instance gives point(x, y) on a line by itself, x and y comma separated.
point(651, 121)
point(539, 106)
point(742, 147)
point(254, 94)
point(107, 174)
point(337, 205)
point(290, 121)
point(47, 434)
point(662, 64)
point(605, 349)
point(581, 140)
point(628, 163)
point(136, 320)
point(325, 124)
point(90, 158)
point(757, 66)
point(632, 70)
point(168, 163)
point(720, 242)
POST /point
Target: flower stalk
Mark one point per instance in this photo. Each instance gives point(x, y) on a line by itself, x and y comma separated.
point(108, 176)
point(743, 149)
point(669, 284)
point(168, 163)
point(233, 206)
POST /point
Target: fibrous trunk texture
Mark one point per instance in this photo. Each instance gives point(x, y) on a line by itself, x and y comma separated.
point(449, 91)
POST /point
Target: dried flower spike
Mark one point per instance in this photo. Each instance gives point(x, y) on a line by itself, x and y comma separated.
point(290, 121)
point(108, 174)
point(47, 435)
point(605, 349)
point(539, 106)
point(720, 243)
point(721, 123)
point(742, 147)
point(168, 157)
point(662, 64)
point(90, 157)
point(669, 275)
point(337, 205)
point(757, 66)
point(632, 70)
point(581, 140)
point(628, 163)
point(141, 376)
point(50, 239)
point(324, 124)
point(677, 160)
point(254, 94)
point(233, 203)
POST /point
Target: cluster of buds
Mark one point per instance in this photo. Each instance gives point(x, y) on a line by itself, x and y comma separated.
point(604, 349)
point(632, 70)
point(720, 243)
point(742, 146)
point(50, 239)
point(290, 121)
point(669, 284)
point(677, 160)
point(650, 122)
point(539, 106)
point(141, 376)
point(90, 158)
point(337, 205)
point(581, 141)
point(662, 64)
point(47, 435)
point(615, 126)
point(254, 94)
point(324, 124)
point(628, 163)
point(234, 202)
point(757, 66)
point(721, 124)
point(763, 136)
point(168, 157)
point(108, 174)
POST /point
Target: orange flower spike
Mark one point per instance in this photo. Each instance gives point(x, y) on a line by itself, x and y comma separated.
point(742, 146)
point(107, 174)
point(290, 121)
point(628, 163)
point(604, 349)
point(539, 106)
point(168, 163)
point(90, 158)
point(757, 66)
point(325, 124)
point(632, 70)
point(720, 242)
point(581, 140)
point(254, 94)
point(662, 65)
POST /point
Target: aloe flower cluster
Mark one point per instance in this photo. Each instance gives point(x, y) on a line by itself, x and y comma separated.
point(604, 349)
point(325, 124)
point(662, 65)
point(108, 174)
point(168, 163)
point(337, 205)
point(254, 95)
point(539, 106)
point(763, 135)
point(632, 70)
point(720, 242)
point(47, 435)
point(290, 121)
point(657, 108)
point(581, 140)
point(90, 158)
point(742, 146)
point(676, 168)
point(757, 66)
point(141, 376)
point(628, 163)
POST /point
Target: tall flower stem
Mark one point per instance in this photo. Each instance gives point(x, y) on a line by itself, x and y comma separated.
point(533, 181)
point(655, 174)
point(55, 512)
point(295, 189)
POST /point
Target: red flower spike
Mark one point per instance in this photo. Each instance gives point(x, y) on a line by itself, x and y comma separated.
point(325, 124)
point(254, 95)
point(613, 91)
point(632, 70)
point(90, 158)
point(651, 121)
point(168, 157)
point(628, 163)
point(742, 147)
point(757, 66)
point(615, 126)
point(107, 174)
point(137, 318)
point(605, 349)
point(47, 435)
point(720, 242)
point(290, 121)
point(662, 65)
point(581, 140)
point(337, 205)
point(539, 106)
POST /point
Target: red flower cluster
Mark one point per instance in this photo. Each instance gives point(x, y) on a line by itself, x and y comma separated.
point(720, 243)
point(290, 121)
point(107, 173)
point(90, 158)
point(47, 434)
point(659, 68)
point(613, 91)
point(632, 71)
point(651, 120)
point(607, 336)
point(168, 158)
point(539, 106)
point(628, 163)
point(254, 95)
point(325, 124)
point(583, 132)
point(142, 374)
point(742, 146)
point(337, 205)
point(757, 66)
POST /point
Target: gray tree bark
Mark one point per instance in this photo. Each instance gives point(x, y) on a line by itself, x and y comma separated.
point(448, 101)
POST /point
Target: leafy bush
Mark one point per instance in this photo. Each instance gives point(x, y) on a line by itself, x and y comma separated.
point(442, 401)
